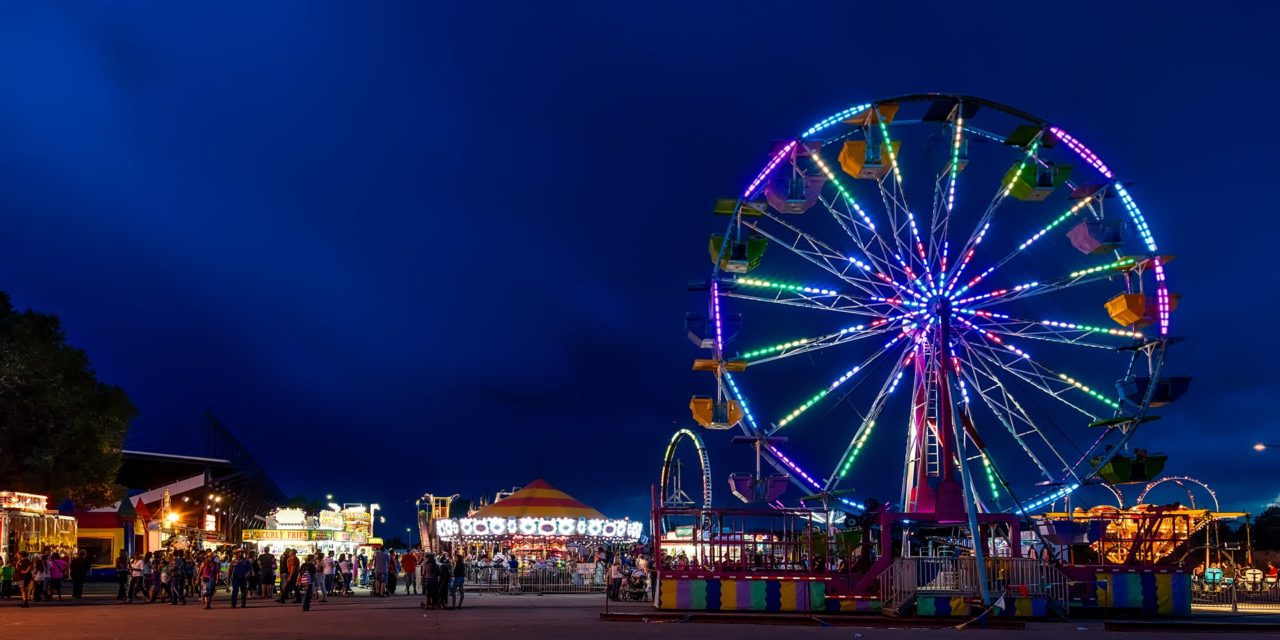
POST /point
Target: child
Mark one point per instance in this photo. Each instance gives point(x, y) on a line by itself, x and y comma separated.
point(6, 578)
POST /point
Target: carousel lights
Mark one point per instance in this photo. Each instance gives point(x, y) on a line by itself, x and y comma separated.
point(623, 530)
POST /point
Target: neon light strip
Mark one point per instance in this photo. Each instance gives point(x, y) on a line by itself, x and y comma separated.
point(831, 177)
point(1132, 207)
point(799, 288)
point(799, 342)
point(1085, 388)
point(795, 413)
point(998, 292)
point(1057, 221)
point(1136, 214)
point(839, 117)
point(1124, 262)
point(1162, 296)
point(778, 455)
point(1047, 499)
point(768, 168)
point(888, 145)
point(1082, 151)
point(715, 310)
point(844, 469)
point(955, 277)
point(955, 165)
point(1086, 327)
point(991, 477)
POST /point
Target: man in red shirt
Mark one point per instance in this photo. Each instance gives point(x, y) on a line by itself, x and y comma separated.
point(409, 562)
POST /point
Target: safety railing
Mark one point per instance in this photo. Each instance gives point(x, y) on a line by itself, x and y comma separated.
point(535, 580)
point(1013, 577)
point(1236, 595)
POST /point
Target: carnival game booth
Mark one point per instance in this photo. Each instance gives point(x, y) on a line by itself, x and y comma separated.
point(546, 529)
point(328, 530)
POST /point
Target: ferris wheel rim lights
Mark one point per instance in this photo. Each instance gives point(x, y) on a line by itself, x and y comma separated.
point(948, 281)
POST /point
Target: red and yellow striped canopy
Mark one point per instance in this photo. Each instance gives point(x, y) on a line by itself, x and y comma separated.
point(538, 500)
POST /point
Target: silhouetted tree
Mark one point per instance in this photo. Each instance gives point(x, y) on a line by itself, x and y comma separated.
point(61, 429)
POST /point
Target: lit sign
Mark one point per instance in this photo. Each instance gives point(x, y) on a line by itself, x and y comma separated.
point(290, 518)
point(210, 522)
point(617, 530)
point(330, 521)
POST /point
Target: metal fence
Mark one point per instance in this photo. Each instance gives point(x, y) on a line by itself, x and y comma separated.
point(535, 580)
point(1019, 577)
point(1235, 595)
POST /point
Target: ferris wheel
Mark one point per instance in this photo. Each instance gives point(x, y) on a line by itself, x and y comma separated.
point(950, 273)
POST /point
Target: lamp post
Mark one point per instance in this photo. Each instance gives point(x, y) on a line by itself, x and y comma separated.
point(372, 509)
point(1263, 446)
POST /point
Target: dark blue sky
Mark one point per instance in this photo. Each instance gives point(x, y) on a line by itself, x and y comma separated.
point(448, 241)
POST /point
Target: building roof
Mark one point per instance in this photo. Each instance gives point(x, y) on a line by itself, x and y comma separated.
point(538, 499)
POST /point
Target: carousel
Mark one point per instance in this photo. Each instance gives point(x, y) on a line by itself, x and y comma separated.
point(536, 522)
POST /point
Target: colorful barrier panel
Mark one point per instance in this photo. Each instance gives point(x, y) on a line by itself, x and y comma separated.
point(1153, 593)
point(735, 594)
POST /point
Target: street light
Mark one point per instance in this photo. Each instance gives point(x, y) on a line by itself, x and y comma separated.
point(334, 506)
point(328, 496)
point(1263, 447)
point(372, 508)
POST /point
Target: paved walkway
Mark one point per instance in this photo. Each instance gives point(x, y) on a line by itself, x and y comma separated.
point(558, 617)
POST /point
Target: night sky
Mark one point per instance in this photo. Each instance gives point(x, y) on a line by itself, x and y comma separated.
point(400, 247)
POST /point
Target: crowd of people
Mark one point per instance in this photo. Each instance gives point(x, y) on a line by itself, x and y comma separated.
point(292, 578)
point(295, 577)
point(39, 576)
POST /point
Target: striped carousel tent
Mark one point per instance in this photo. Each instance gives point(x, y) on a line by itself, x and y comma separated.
point(538, 499)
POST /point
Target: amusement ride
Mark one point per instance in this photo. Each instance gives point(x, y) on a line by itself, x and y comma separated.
point(947, 272)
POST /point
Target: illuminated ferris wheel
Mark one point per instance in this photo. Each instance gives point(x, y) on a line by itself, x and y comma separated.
point(949, 273)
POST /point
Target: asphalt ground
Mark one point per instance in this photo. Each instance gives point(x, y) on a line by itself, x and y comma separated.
point(507, 617)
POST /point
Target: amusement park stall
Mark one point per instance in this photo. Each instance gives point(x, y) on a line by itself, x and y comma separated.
point(342, 532)
point(27, 524)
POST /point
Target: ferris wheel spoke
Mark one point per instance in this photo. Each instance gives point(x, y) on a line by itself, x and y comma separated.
point(854, 229)
point(835, 384)
point(984, 221)
point(845, 463)
point(1084, 203)
point(1068, 333)
point(1034, 288)
point(799, 346)
point(1002, 403)
point(803, 296)
point(854, 220)
point(847, 268)
point(945, 187)
point(1056, 386)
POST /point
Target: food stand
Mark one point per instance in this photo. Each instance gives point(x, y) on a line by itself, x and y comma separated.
point(27, 525)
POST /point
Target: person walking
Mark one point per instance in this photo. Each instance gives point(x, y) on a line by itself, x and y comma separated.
point(289, 577)
point(347, 568)
point(79, 569)
point(445, 569)
point(135, 577)
point(615, 578)
point(430, 581)
point(58, 568)
point(307, 580)
point(456, 591)
point(266, 575)
point(410, 564)
point(40, 575)
point(210, 571)
point(6, 577)
point(122, 575)
point(381, 561)
point(178, 579)
point(25, 572)
point(330, 573)
point(240, 569)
